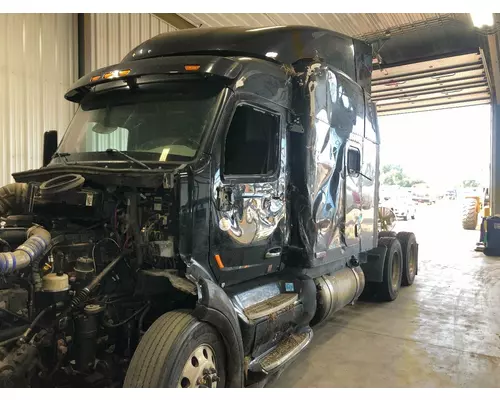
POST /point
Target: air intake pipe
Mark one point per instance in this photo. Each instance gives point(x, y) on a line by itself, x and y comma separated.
point(38, 240)
point(13, 198)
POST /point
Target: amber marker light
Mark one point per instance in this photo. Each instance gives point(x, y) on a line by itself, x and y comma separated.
point(123, 73)
point(219, 261)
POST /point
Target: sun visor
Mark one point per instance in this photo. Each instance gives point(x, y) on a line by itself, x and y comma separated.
point(131, 71)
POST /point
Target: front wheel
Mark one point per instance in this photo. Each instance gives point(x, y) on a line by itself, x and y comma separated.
point(178, 351)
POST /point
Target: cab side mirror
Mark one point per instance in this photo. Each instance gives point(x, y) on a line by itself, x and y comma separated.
point(49, 146)
point(353, 161)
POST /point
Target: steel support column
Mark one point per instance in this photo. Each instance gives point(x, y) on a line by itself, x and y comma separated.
point(495, 159)
point(84, 45)
point(494, 62)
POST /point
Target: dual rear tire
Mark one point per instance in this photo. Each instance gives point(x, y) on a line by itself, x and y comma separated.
point(400, 263)
point(388, 289)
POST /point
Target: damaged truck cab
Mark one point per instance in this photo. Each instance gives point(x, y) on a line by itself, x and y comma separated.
point(214, 197)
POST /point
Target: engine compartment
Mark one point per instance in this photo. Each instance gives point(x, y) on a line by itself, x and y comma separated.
point(81, 266)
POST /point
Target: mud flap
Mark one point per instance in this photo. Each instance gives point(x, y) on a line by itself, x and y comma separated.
point(215, 308)
point(373, 269)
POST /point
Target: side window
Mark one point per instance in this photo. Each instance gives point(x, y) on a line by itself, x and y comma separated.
point(251, 143)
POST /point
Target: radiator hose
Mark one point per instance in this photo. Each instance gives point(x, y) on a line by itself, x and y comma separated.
point(38, 240)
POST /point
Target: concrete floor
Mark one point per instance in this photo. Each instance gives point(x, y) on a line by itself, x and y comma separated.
point(444, 331)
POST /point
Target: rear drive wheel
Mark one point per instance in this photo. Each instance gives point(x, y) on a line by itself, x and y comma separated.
point(178, 351)
point(408, 243)
point(469, 214)
point(388, 289)
point(383, 234)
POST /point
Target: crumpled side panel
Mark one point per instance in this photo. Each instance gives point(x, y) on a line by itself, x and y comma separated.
point(318, 158)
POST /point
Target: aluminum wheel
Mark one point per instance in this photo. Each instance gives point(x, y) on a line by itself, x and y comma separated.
point(200, 369)
point(412, 262)
point(396, 271)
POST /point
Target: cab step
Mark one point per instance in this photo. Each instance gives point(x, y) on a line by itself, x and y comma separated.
point(285, 351)
point(271, 305)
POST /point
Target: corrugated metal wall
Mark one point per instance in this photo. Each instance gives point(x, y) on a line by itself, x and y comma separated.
point(114, 35)
point(38, 64)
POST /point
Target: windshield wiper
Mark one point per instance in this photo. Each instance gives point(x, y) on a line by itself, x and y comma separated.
point(112, 151)
point(61, 156)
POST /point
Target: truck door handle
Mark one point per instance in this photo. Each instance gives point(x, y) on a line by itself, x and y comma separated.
point(274, 252)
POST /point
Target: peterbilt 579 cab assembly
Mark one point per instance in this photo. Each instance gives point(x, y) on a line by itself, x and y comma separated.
point(214, 197)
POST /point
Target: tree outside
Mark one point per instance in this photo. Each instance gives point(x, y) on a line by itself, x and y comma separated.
point(394, 175)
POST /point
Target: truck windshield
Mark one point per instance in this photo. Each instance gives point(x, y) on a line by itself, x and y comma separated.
point(157, 122)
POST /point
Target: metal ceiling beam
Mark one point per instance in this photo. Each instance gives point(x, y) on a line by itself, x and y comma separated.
point(176, 20)
point(433, 107)
point(441, 83)
point(447, 97)
point(442, 89)
point(431, 73)
point(374, 36)
point(424, 74)
point(495, 64)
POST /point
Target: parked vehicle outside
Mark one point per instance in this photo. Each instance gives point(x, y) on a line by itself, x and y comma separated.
point(422, 193)
point(402, 205)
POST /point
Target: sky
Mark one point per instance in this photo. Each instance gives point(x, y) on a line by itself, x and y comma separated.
point(442, 147)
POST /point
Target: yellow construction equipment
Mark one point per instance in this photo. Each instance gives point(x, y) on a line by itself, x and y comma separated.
point(475, 205)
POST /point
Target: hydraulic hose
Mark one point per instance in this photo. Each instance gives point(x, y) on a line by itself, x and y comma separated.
point(38, 240)
point(24, 336)
point(84, 294)
point(143, 310)
point(7, 335)
point(12, 198)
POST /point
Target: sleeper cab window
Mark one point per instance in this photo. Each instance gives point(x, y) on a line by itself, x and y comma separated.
point(251, 143)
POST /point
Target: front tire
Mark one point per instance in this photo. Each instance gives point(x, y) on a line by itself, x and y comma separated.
point(178, 351)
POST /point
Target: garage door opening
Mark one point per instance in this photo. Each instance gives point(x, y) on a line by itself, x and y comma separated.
point(435, 159)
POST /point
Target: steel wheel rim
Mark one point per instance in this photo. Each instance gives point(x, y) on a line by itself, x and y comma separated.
point(396, 270)
point(199, 369)
point(412, 261)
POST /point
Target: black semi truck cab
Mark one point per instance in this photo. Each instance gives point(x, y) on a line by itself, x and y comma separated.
point(214, 197)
